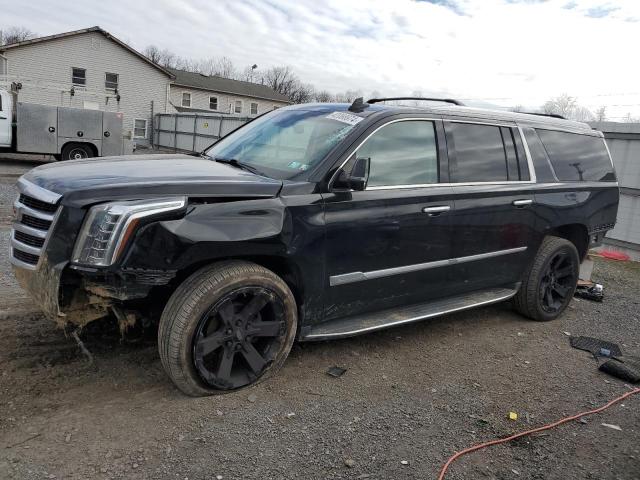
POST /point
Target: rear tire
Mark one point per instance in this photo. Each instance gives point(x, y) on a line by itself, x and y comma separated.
point(76, 151)
point(227, 326)
point(550, 282)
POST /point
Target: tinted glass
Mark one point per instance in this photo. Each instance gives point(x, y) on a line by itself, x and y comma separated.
point(284, 143)
point(479, 153)
point(523, 166)
point(539, 156)
point(402, 153)
point(512, 159)
point(577, 157)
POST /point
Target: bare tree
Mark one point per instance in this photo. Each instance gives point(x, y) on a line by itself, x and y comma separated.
point(582, 114)
point(601, 114)
point(348, 96)
point(568, 107)
point(517, 108)
point(324, 97)
point(223, 67)
point(281, 79)
point(562, 105)
point(15, 35)
point(152, 53)
point(302, 93)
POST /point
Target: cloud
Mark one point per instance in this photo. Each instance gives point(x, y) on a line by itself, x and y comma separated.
point(501, 51)
point(601, 11)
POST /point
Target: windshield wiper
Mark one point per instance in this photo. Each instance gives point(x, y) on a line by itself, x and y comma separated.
point(238, 164)
point(200, 154)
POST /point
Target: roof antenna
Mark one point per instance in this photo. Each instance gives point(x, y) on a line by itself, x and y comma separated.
point(358, 105)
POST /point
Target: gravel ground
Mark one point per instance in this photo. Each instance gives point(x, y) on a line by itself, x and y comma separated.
point(410, 398)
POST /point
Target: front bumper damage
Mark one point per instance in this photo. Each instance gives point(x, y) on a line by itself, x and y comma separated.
point(44, 286)
point(42, 236)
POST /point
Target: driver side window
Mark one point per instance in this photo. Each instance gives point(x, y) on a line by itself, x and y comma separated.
point(402, 153)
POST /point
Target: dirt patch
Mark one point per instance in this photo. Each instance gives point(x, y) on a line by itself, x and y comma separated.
point(414, 394)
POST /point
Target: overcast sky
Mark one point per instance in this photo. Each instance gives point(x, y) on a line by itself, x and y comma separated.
point(504, 52)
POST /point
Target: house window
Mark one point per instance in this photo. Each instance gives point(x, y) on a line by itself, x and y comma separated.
point(238, 107)
point(213, 103)
point(186, 99)
point(79, 76)
point(140, 128)
point(111, 81)
point(254, 108)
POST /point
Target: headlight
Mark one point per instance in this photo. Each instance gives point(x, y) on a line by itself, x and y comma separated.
point(108, 227)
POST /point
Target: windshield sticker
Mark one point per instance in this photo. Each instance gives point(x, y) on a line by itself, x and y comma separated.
point(345, 117)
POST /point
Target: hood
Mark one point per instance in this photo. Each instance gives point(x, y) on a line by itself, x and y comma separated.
point(81, 182)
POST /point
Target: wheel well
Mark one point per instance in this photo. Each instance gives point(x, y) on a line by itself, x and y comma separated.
point(285, 269)
point(91, 146)
point(576, 234)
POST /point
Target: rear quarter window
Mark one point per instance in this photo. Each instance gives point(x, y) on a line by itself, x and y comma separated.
point(577, 157)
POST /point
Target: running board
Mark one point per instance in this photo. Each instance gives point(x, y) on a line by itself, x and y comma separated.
point(369, 322)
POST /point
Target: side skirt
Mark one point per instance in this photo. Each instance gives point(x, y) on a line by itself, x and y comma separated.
point(370, 322)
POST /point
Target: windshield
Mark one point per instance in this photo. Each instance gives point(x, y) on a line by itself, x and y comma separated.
point(282, 144)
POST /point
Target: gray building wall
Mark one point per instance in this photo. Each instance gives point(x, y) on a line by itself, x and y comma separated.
point(45, 71)
point(200, 101)
point(623, 140)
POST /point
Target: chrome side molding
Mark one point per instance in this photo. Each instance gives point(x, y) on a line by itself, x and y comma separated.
point(351, 277)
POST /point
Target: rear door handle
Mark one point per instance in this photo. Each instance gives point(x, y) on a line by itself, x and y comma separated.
point(522, 203)
point(434, 211)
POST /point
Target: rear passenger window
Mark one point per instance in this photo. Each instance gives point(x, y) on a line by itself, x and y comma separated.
point(479, 153)
point(577, 157)
point(402, 153)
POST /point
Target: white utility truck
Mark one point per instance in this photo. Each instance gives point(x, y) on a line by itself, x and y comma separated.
point(67, 133)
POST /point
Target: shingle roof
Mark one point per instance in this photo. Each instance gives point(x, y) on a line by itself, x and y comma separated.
point(86, 30)
point(226, 85)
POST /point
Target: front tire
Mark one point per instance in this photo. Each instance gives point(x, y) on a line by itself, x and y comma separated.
point(227, 326)
point(550, 282)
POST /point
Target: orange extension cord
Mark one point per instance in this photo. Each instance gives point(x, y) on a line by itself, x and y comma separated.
point(529, 432)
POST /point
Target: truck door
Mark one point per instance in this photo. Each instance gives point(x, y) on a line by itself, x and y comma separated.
point(5, 119)
point(389, 244)
point(494, 221)
point(111, 134)
point(36, 130)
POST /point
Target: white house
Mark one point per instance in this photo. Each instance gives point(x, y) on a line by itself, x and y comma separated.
point(90, 68)
point(195, 92)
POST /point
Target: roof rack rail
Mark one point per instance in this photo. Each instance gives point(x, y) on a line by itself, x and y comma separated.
point(430, 99)
point(552, 115)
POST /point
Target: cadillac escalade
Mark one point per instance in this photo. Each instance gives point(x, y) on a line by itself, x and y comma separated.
point(315, 222)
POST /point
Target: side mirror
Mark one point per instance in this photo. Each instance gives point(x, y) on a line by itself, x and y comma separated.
point(358, 177)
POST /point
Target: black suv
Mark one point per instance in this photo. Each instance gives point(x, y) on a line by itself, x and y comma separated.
point(315, 222)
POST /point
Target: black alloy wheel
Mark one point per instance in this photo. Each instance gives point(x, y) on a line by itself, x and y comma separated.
point(228, 326)
point(558, 282)
point(239, 337)
point(550, 281)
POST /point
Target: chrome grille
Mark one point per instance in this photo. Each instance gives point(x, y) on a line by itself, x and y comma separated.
point(35, 211)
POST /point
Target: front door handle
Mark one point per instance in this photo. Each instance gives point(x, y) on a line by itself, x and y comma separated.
point(434, 211)
point(522, 203)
